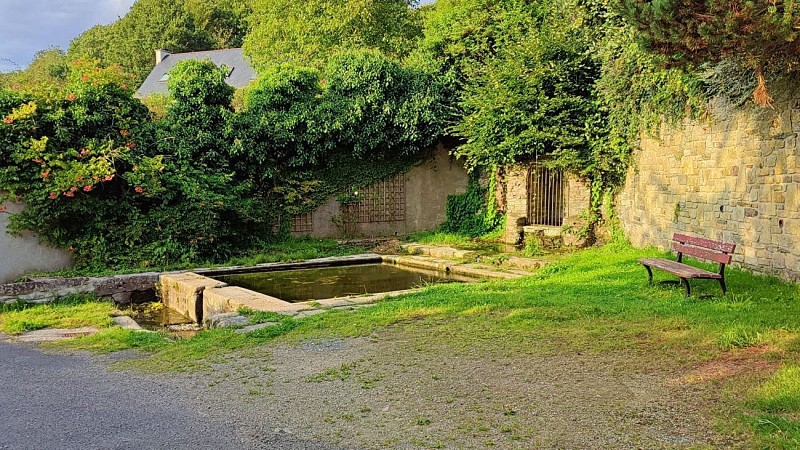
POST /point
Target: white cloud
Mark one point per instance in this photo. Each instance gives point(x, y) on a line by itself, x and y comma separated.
point(27, 26)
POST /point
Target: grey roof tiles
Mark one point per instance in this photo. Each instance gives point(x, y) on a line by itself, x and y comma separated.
point(241, 75)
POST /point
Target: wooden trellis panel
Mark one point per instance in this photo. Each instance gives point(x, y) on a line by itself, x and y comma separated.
point(384, 201)
point(303, 223)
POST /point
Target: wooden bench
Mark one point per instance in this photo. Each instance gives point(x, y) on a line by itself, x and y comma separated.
point(702, 248)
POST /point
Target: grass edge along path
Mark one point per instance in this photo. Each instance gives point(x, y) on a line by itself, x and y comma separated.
point(593, 300)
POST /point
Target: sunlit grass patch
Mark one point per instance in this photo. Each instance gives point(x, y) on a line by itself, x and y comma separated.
point(113, 340)
point(781, 393)
point(73, 311)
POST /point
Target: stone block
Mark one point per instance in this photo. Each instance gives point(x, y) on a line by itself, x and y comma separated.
point(228, 299)
point(226, 320)
point(127, 323)
point(183, 292)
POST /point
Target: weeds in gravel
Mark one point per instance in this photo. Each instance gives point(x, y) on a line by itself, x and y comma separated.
point(341, 373)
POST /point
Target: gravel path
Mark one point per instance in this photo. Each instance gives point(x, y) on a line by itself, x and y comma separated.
point(393, 390)
point(69, 402)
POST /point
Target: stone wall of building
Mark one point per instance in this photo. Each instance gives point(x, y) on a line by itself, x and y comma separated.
point(734, 177)
point(424, 190)
point(23, 254)
point(518, 198)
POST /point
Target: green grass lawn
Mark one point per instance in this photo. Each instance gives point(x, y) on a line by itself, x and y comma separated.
point(595, 300)
point(69, 312)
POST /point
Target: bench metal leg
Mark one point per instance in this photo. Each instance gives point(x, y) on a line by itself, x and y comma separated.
point(686, 285)
point(649, 274)
point(722, 285)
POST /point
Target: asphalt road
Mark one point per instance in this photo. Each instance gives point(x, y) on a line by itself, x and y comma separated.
point(70, 402)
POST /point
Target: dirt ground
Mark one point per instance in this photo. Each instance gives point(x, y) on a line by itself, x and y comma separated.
point(391, 391)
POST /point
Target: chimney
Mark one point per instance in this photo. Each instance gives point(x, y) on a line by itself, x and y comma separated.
point(161, 55)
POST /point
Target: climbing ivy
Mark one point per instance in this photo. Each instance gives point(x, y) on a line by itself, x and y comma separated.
point(474, 213)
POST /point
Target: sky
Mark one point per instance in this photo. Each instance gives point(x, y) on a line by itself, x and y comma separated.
point(27, 26)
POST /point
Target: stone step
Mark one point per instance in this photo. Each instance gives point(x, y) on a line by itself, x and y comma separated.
point(436, 251)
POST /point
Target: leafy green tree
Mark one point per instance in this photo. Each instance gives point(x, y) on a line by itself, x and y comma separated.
point(377, 108)
point(462, 36)
point(686, 32)
point(224, 20)
point(195, 121)
point(307, 33)
point(47, 70)
point(178, 26)
point(278, 131)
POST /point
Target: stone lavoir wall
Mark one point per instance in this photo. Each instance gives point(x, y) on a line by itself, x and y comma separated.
point(518, 201)
point(735, 178)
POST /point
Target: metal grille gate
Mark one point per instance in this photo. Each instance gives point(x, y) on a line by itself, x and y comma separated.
point(547, 200)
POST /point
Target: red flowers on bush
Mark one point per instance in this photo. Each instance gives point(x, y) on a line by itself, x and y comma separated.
point(139, 189)
point(8, 120)
point(88, 188)
point(71, 97)
point(45, 175)
point(130, 145)
point(53, 196)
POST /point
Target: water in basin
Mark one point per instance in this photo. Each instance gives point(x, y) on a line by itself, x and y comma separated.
point(330, 282)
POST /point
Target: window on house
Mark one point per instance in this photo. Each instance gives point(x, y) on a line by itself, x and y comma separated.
point(548, 202)
point(384, 201)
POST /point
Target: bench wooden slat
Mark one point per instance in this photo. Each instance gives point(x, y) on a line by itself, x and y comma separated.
point(710, 255)
point(679, 269)
point(704, 242)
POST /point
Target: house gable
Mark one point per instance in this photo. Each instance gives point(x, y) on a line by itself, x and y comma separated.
point(240, 75)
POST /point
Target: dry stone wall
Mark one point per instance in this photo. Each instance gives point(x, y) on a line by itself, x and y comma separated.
point(734, 177)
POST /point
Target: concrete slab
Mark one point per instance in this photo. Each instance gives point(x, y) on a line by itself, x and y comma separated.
point(333, 302)
point(421, 263)
point(524, 263)
point(368, 299)
point(436, 251)
point(478, 271)
point(256, 327)
point(55, 334)
point(294, 308)
point(309, 313)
